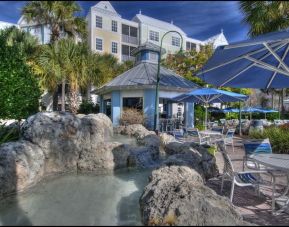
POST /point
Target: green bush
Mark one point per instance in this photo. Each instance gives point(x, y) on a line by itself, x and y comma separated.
point(200, 127)
point(199, 114)
point(87, 107)
point(230, 116)
point(278, 136)
point(8, 134)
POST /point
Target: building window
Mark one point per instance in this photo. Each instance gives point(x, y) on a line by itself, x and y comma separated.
point(154, 36)
point(114, 26)
point(176, 41)
point(191, 46)
point(132, 102)
point(114, 47)
point(98, 44)
point(98, 22)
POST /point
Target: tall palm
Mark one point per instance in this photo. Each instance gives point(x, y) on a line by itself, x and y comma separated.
point(264, 17)
point(47, 64)
point(60, 17)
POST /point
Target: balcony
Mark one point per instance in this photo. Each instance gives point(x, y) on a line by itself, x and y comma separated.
point(129, 39)
point(127, 58)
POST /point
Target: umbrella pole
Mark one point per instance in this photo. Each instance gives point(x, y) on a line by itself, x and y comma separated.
point(206, 117)
point(240, 117)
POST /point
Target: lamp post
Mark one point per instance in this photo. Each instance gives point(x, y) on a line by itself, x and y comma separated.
point(156, 117)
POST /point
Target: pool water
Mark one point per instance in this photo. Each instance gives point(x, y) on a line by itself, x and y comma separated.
point(79, 200)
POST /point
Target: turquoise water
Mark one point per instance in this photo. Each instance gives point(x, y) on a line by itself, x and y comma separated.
point(79, 200)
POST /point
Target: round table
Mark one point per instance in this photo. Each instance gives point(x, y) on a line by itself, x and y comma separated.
point(278, 162)
point(210, 132)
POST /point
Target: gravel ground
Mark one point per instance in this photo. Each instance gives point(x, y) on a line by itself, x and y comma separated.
point(255, 209)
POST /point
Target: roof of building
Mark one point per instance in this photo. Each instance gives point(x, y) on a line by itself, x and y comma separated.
point(148, 46)
point(144, 75)
point(106, 8)
point(217, 40)
point(157, 23)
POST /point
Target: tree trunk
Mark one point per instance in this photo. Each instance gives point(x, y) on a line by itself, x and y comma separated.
point(282, 102)
point(279, 102)
point(55, 100)
point(73, 100)
point(272, 96)
point(63, 95)
point(88, 95)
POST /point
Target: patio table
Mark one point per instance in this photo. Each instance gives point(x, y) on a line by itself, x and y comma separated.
point(210, 132)
point(278, 162)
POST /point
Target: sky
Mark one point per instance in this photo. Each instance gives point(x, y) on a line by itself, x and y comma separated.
point(198, 19)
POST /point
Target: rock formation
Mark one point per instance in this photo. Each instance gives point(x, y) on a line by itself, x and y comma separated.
point(176, 195)
point(59, 142)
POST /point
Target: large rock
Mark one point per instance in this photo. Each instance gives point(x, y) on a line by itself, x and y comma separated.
point(148, 141)
point(166, 139)
point(192, 155)
point(177, 196)
point(21, 165)
point(108, 157)
point(136, 130)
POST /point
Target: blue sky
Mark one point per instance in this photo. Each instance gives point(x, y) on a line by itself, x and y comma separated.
point(198, 19)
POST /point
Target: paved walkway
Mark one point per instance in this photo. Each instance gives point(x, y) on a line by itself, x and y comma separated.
point(254, 209)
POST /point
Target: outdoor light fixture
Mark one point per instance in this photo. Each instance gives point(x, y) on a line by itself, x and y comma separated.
point(156, 118)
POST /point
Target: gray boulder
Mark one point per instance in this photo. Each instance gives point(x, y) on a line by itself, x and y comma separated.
point(136, 130)
point(192, 155)
point(176, 195)
point(166, 139)
point(106, 158)
point(22, 164)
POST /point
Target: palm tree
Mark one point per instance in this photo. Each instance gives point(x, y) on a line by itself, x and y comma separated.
point(264, 17)
point(60, 17)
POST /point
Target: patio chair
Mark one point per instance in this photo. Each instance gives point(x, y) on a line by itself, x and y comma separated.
point(178, 134)
point(253, 146)
point(218, 129)
point(202, 139)
point(223, 122)
point(242, 179)
point(228, 139)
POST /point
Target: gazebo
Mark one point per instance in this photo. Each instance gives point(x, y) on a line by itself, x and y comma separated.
point(136, 88)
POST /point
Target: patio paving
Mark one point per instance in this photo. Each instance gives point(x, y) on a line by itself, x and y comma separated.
point(255, 209)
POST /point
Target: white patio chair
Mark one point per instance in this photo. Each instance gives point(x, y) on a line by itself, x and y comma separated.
point(201, 138)
point(179, 134)
point(228, 139)
point(242, 179)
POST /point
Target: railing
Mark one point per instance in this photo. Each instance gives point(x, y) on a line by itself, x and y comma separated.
point(129, 39)
point(127, 58)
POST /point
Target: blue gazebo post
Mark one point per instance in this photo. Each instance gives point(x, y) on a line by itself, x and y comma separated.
point(156, 118)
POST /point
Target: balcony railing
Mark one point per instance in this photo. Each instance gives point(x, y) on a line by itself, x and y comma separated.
point(129, 39)
point(127, 58)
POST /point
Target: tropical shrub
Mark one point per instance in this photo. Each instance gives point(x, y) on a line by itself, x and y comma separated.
point(278, 136)
point(8, 134)
point(87, 107)
point(19, 96)
point(199, 114)
point(131, 116)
